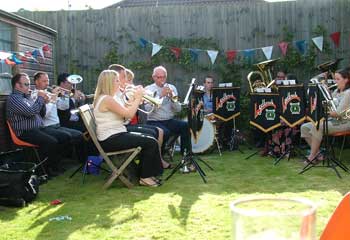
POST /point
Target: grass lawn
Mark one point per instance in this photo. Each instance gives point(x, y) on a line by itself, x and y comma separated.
point(183, 208)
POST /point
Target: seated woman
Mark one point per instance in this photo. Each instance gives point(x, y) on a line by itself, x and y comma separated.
point(341, 98)
point(110, 112)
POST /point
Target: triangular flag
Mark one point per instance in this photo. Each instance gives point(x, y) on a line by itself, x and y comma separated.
point(248, 53)
point(318, 41)
point(267, 52)
point(336, 38)
point(46, 48)
point(4, 55)
point(143, 42)
point(9, 62)
point(194, 54)
point(35, 53)
point(176, 51)
point(212, 55)
point(16, 60)
point(230, 55)
point(301, 46)
point(41, 51)
point(283, 46)
point(155, 49)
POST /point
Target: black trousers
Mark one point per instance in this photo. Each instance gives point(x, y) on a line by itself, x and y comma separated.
point(145, 129)
point(150, 164)
point(48, 145)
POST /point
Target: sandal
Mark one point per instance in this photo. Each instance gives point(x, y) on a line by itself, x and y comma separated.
point(143, 183)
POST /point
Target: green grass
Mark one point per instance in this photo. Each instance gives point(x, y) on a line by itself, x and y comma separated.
point(183, 208)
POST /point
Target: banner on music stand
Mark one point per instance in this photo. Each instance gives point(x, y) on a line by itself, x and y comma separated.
point(292, 100)
point(315, 113)
point(196, 113)
point(226, 103)
point(265, 111)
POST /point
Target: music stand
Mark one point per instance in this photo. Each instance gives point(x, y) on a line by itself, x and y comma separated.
point(190, 157)
point(292, 100)
point(329, 160)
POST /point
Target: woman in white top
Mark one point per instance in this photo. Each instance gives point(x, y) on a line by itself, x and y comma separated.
point(341, 98)
point(110, 112)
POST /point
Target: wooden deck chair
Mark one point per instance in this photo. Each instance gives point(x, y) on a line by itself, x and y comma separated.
point(116, 172)
point(338, 226)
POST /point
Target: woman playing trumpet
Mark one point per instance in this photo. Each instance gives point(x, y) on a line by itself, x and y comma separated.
point(110, 112)
point(341, 99)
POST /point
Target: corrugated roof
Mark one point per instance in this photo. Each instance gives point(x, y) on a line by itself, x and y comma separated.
point(143, 3)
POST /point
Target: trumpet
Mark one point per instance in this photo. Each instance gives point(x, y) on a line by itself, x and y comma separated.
point(52, 96)
point(174, 98)
point(128, 95)
point(63, 92)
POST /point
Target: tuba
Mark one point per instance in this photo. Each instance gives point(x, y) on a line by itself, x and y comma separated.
point(264, 73)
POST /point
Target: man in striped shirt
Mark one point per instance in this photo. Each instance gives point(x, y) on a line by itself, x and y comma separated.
point(26, 118)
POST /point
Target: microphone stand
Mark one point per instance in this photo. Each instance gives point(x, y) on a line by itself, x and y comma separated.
point(190, 158)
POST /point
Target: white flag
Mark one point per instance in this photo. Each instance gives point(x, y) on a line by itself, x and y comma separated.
point(4, 55)
point(155, 49)
point(212, 55)
point(267, 52)
point(318, 41)
point(41, 51)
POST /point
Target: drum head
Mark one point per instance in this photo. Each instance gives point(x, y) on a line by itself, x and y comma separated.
point(205, 137)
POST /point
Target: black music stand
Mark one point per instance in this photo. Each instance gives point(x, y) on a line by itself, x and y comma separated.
point(329, 160)
point(290, 119)
point(190, 157)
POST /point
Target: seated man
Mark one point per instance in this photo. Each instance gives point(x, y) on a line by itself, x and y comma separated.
point(26, 118)
point(51, 121)
point(224, 128)
point(67, 118)
point(163, 116)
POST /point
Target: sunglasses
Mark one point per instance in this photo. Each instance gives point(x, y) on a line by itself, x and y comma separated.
point(25, 84)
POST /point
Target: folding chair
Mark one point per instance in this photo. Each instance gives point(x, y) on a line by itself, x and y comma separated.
point(343, 134)
point(338, 226)
point(89, 121)
point(25, 145)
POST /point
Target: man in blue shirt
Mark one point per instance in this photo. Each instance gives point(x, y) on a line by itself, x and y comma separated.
point(208, 95)
point(26, 118)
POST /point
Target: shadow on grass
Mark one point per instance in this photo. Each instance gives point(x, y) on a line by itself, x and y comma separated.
point(117, 210)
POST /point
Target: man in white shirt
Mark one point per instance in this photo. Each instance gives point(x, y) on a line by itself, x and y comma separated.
point(51, 121)
point(163, 116)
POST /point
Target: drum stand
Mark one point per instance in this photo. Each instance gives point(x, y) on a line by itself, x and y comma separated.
point(329, 160)
point(190, 159)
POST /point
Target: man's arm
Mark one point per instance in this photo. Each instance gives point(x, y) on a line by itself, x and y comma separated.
point(18, 105)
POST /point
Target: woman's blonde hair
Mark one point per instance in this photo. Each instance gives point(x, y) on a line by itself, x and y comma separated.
point(105, 85)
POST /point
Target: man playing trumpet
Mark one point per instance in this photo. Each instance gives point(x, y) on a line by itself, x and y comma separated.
point(336, 122)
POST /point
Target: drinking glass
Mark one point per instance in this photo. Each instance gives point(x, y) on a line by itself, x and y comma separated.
point(273, 219)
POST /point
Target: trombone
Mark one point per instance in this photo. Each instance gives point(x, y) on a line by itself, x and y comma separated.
point(128, 95)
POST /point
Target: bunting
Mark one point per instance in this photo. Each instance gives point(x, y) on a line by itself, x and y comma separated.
point(16, 58)
point(318, 41)
point(267, 52)
point(336, 38)
point(283, 46)
point(230, 55)
point(212, 55)
point(300, 45)
point(155, 48)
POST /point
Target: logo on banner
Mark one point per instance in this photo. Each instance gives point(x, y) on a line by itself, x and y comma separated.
point(294, 107)
point(270, 113)
point(230, 105)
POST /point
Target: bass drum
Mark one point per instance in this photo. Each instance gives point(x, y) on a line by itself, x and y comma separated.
point(205, 137)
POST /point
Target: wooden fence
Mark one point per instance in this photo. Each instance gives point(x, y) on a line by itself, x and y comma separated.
point(85, 37)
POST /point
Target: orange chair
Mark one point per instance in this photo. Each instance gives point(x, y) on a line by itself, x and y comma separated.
point(340, 134)
point(20, 143)
point(338, 226)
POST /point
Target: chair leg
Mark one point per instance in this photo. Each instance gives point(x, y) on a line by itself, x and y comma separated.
point(37, 156)
point(341, 149)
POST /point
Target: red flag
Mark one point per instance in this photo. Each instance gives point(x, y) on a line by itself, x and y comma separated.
point(230, 55)
point(46, 48)
point(336, 38)
point(176, 51)
point(283, 46)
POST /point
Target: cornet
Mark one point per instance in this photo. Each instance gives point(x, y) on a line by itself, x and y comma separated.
point(128, 95)
point(174, 98)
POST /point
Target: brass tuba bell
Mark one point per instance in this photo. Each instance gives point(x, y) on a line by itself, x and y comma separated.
point(264, 73)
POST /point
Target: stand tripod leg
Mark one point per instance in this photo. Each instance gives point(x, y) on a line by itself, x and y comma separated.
point(281, 157)
point(205, 163)
point(178, 166)
point(199, 169)
point(251, 155)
